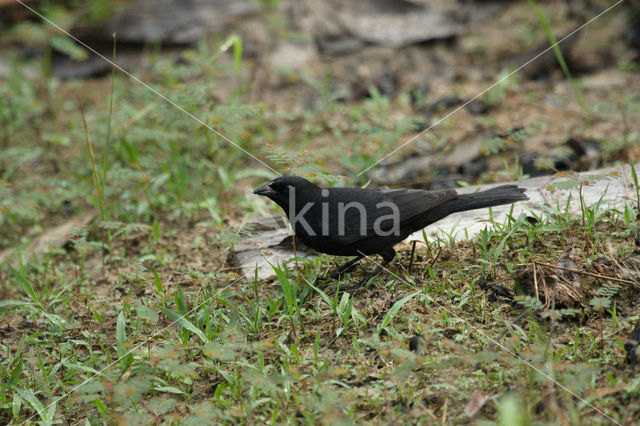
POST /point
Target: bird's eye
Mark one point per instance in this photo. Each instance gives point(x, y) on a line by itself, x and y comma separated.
point(280, 186)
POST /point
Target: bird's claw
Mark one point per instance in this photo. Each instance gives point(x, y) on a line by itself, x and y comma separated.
point(338, 273)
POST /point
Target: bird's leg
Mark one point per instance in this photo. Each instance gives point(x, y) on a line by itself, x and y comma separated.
point(346, 267)
point(368, 278)
point(413, 252)
point(387, 257)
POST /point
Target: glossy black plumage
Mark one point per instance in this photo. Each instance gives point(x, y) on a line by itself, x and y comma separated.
point(360, 222)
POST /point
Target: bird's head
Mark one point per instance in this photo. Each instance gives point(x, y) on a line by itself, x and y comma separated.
point(286, 188)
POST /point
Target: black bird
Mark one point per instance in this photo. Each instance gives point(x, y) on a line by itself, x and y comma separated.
point(633, 347)
point(361, 222)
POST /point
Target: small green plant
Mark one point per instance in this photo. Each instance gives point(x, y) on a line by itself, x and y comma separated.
point(590, 214)
point(187, 327)
point(36, 306)
point(397, 306)
point(505, 81)
point(501, 142)
point(601, 303)
point(341, 308)
point(636, 185)
point(126, 358)
point(559, 56)
point(293, 297)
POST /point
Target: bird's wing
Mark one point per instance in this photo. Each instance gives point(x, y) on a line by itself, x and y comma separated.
point(415, 202)
point(388, 210)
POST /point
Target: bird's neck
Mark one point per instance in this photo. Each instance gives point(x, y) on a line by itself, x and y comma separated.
point(304, 200)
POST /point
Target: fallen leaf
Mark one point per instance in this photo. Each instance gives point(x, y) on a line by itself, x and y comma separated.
point(477, 401)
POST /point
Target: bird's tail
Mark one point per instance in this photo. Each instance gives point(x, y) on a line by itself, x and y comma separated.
point(505, 194)
point(498, 196)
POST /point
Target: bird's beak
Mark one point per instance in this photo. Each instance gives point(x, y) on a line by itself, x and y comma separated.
point(265, 190)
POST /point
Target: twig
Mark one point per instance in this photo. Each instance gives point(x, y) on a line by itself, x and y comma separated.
point(332, 341)
point(535, 280)
point(435, 258)
point(591, 274)
point(545, 290)
point(507, 328)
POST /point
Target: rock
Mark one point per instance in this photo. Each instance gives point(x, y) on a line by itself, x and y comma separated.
point(405, 170)
point(292, 56)
point(396, 23)
point(615, 183)
point(176, 21)
point(340, 26)
point(270, 244)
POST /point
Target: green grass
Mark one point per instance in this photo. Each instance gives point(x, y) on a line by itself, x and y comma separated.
point(161, 337)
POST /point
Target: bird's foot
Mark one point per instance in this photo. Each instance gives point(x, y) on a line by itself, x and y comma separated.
point(358, 286)
point(337, 275)
point(345, 268)
point(365, 281)
point(339, 272)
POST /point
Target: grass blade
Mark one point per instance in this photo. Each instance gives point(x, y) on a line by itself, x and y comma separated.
point(24, 284)
point(184, 323)
point(396, 308)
